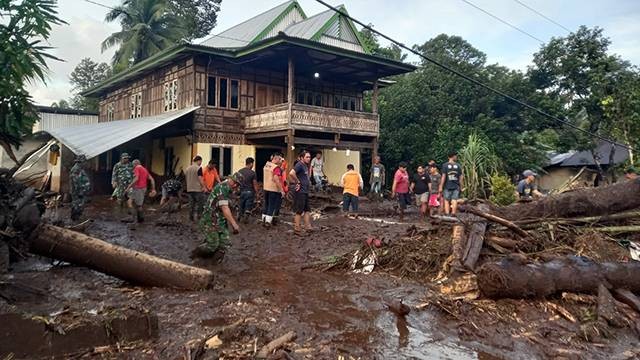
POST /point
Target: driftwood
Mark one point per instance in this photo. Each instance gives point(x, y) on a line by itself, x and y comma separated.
point(607, 309)
point(133, 266)
point(627, 297)
point(474, 241)
point(515, 278)
point(275, 345)
point(619, 197)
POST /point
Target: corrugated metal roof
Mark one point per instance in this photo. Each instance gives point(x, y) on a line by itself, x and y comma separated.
point(585, 158)
point(95, 139)
point(242, 34)
point(305, 29)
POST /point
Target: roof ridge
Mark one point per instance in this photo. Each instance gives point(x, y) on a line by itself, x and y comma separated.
point(288, 2)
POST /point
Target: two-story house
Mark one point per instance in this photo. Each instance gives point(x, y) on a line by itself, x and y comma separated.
point(278, 81)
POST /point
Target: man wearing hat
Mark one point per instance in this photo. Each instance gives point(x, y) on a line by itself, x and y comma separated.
point(527, 187)
point(216, 219)
point(121, 177)
point(80, 187)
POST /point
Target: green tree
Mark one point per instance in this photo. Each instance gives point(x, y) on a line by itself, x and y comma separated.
point(431, 111)
point(148, 27)
point(370, 40)
point(61, 104)
point(578, 72)
point(199, 17)
point(86, 75)
point(24, 26)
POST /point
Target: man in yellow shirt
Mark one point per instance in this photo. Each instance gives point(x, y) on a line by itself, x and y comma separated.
point(352, 182)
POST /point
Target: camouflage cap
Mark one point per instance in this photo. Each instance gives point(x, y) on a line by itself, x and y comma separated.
point(237, 177)
point(125, 155)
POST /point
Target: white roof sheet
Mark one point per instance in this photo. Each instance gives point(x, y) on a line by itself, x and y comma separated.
point(95, 139)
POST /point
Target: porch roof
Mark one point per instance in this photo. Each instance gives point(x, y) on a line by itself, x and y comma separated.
point(94, 139)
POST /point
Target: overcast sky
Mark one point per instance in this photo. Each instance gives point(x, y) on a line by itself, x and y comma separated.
point(409, 21)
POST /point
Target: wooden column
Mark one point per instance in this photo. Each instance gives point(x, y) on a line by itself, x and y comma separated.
point(290, 153)
point(374, 149)
point(374, 98)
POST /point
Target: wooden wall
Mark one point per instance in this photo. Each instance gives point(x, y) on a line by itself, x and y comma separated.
point(152, 88)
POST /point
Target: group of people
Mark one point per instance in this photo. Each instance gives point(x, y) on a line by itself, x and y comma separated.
point(434, 187)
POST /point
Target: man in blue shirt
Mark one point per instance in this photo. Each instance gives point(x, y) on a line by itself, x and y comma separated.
point(299, 177)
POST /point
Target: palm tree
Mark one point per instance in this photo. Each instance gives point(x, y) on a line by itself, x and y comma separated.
point(147, 28)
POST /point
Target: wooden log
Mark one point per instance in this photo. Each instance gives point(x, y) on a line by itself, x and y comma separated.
point(627, 297)
point(515, 278)
point(475, 240)
point(130, 265)
point(503, 242)
point(607, 309)
point(275, 345)
point(602, 200)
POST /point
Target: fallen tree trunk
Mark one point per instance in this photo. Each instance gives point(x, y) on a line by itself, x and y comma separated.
point(508, 224)
point(515, 278)
point(130, 265)
point(603, 200)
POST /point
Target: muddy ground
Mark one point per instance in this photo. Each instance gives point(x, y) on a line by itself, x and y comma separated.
point(266, 282)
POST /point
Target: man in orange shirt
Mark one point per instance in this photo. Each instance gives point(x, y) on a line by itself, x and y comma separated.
point(210, 175)
point(352, 182)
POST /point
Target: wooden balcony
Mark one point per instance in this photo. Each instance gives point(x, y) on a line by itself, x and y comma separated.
point(311, 118)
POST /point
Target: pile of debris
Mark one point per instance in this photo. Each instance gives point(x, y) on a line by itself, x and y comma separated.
point(550, 271)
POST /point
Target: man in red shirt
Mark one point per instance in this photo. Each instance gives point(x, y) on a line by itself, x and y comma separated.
point(141, 177)
point(401, 188)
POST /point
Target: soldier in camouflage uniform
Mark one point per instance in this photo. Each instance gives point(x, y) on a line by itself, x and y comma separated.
point(121, 177)
point(216, 217)
point(80, 187)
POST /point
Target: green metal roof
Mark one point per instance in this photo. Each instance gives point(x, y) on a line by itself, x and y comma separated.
point(272, 27)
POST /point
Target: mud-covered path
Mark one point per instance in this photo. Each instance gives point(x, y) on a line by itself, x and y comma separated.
point(261, 282)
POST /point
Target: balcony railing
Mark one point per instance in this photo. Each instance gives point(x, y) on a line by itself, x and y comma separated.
point(312, 118)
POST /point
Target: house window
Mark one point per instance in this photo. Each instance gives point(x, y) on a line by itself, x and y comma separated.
point(345, 103)
point(318, 100)
point(336, 101)
point(211, 91)
point(110, 115)
point(234, 97)
point(222, 157)
point(301, 97)
point(136, 106)
point(222, 99)
point(352, 103)
point(171, 95)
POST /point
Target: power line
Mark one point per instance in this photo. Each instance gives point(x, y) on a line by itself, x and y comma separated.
point(474, 81)
point(97, 3)
point(503, 21)
point(543, 15)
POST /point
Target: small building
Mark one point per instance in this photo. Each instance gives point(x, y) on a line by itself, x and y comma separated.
point(581, 165)
point(279, 81)
point(39, 167)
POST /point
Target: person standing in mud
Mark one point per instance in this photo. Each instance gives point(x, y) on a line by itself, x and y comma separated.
point(80, 187)
point(171, 192)
point(299, 176)
point(377, 178)
point(210, 175)
point(451, 184)
point(216, 219)
point(268, 186)
point(420, 187)
point(138, 186)
point(196, 188)
point(317, 170)
point(248, 190)
point(434, 185)
point(352, 182)
point(121, 177)
point(400, 188)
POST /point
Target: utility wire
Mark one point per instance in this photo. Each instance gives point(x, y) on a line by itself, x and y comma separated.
point(543, 15)
point(502, 21)
point(474, 81)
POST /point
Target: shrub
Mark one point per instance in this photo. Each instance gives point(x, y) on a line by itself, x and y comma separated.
point(503, 192)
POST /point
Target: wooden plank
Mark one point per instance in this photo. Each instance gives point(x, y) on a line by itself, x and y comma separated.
point(331, 143)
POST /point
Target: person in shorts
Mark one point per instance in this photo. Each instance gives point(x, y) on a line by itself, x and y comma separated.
point(139, 185)
point(400, 188)
point(299, 176)
point(451, 184)
point(420, 187)
point(434, 185)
